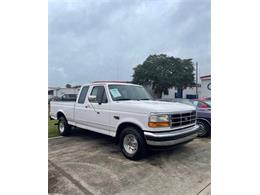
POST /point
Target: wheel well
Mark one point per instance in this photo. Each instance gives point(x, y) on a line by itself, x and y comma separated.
point(204, 120)
point(60, 114)
point(123, 126)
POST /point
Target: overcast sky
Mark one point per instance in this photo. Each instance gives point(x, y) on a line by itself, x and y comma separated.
point(93, 40)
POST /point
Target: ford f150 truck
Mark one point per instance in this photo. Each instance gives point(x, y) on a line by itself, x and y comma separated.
point(128, 113)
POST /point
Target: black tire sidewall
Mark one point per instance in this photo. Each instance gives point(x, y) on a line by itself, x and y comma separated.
point(66, 127)
point(207, 128)
point(141, 150)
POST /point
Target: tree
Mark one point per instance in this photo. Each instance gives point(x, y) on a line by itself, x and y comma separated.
point(77, 86)
point(162, 72)
point(68, 85)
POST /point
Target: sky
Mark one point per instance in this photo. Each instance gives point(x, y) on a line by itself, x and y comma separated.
point(90, 40)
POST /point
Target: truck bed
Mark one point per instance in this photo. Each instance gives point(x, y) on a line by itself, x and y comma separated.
point(66, 106)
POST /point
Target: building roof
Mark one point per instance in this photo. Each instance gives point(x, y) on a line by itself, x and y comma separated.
point(73, 87)
point(206, 77)
point(52, 88)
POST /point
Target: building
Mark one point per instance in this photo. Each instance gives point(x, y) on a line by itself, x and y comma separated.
point(59, 91)
point(189, 93)
point(205, 90)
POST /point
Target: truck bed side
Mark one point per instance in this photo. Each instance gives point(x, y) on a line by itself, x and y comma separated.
point(66, 108)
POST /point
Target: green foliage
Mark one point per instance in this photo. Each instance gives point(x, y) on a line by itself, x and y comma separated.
point(163, 72)
point(68, 85)
point(52, 128)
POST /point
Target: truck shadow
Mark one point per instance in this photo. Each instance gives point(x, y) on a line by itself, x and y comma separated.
point(113, 148)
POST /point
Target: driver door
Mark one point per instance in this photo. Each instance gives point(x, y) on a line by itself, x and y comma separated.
point(98, 110)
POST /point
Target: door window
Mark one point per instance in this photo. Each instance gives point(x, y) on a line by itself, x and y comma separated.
point(100, 93)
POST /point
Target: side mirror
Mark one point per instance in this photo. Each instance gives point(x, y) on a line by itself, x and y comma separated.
point(92, 98)
point(99, 101)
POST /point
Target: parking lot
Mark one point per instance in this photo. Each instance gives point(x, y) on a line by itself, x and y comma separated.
point(91, 163)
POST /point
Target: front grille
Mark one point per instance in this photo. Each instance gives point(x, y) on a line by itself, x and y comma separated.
point(181, 119)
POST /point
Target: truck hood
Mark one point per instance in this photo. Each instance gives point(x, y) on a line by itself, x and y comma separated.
point(147, 106)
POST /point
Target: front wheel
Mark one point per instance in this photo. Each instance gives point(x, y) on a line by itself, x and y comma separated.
point(63, 127)
point(132, 143)
point(204, 128)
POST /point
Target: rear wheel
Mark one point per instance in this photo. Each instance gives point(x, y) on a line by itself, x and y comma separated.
point(204, 128)
point(132, 143)
point(63, 127)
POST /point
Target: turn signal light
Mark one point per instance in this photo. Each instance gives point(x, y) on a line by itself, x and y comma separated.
point(158, 124)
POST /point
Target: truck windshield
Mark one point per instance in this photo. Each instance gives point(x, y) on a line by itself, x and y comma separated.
point(128, 92)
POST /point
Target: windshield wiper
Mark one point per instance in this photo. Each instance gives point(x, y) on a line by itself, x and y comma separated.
point(122, 99)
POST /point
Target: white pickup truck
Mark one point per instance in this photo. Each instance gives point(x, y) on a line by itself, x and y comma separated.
point(128, 113)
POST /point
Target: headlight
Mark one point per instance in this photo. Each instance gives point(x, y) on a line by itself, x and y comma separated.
point(159, 120)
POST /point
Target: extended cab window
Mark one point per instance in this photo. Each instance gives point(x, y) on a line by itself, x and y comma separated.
point(99, 93)
point(83, 95)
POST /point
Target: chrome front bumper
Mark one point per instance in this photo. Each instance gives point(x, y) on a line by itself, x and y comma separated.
point(171, 137)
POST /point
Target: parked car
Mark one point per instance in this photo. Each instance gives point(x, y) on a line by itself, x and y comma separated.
point(180, 100)
point(64, 97)
point(128, 113)
point(69, 97)
point(202, 103)
point(203, 106)
point(52, 99)
point(203, 116)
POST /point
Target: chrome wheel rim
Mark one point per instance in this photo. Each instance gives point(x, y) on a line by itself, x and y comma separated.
point(202, 129)
point(130, 144)
point(61, 127)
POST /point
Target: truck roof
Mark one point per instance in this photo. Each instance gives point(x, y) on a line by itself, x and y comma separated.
point(109, 83)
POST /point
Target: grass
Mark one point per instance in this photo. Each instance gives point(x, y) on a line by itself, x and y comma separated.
point(52, 128)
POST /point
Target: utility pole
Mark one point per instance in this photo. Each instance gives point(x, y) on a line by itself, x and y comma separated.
point(197, 80)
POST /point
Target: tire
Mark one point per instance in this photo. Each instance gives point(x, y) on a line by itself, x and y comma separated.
point(132, 143)
point(204, 128)
point(63, 127)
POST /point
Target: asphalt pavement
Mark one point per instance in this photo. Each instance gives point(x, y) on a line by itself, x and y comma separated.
point(91, 163)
